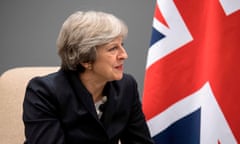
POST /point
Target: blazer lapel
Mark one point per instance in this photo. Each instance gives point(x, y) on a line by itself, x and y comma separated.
point(82, 94)
point(111, 105)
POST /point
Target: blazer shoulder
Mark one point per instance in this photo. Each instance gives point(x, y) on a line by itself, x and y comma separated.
point(43, 79)
point(49, 81)
point(51, 87)
point(127, 82)
point(128, 78)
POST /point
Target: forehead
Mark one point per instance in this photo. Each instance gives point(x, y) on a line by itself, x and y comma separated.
point(115, 41)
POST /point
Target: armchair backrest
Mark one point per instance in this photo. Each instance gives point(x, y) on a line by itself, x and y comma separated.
point(12, 89)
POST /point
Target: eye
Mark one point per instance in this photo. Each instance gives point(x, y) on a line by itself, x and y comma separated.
point(113, 48)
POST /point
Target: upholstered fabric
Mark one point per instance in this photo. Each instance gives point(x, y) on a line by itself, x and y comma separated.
point(12, 88)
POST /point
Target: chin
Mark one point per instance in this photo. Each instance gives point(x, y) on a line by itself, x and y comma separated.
point(119, 77)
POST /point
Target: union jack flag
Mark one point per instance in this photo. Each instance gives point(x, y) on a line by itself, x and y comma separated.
point(192, 82)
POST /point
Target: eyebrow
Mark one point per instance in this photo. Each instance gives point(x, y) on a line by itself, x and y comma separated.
point(111, 44)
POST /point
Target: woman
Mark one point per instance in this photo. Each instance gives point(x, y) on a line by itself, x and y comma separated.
point(89, 100)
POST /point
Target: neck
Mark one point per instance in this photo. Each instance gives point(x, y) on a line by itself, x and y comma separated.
point(94, 86)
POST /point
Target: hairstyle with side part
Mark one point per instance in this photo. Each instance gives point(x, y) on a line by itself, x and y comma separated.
point(82, 32)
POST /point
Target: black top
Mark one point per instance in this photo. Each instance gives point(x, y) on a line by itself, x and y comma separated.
point(58, 109)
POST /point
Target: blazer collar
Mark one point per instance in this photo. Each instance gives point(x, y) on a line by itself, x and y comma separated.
point(111, 90)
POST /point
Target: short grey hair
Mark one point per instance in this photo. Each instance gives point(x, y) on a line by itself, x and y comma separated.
point(82, 32)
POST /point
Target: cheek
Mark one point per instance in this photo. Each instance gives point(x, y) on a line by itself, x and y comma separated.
point(105, 61)
point(103, 66)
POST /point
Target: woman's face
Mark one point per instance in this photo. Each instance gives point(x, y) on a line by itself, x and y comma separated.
point(109, 61)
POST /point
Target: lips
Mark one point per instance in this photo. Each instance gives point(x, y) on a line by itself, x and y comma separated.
point(120, 67)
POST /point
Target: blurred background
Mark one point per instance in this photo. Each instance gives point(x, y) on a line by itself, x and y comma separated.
point(29, 29)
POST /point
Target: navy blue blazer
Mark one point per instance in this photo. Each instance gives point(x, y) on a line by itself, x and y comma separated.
point(58, 109)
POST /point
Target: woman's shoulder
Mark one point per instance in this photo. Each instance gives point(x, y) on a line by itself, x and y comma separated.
point(127, 80)
point(50, 79)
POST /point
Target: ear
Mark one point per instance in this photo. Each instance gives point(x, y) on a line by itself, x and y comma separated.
point(87, 65)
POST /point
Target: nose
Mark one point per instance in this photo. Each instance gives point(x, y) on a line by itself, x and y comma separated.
point(122, 53)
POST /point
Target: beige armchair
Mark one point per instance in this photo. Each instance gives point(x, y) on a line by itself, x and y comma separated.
point(12, 88)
